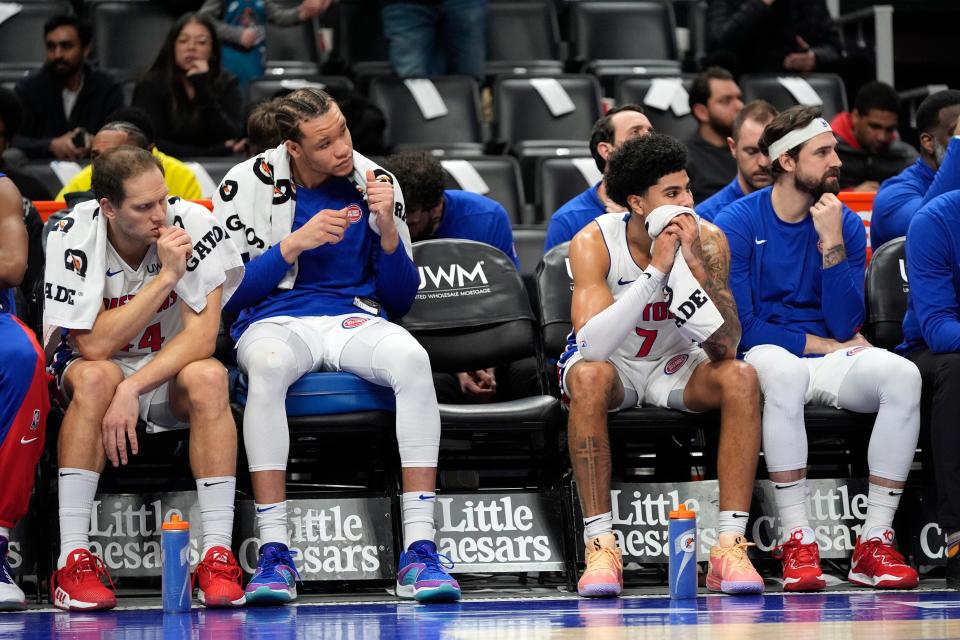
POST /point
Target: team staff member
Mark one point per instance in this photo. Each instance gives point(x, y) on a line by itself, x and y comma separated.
point(797, 270)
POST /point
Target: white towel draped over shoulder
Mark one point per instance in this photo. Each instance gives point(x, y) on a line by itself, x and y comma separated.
point(257, 202)
point(697, 317)
point(76, 257)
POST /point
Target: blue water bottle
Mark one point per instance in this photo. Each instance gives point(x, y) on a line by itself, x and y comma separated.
point(175, 541)
point(682, 540)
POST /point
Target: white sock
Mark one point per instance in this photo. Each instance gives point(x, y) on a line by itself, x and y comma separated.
point(597, 525)
point(272, 523)
point(734, 522)
point(418, 509)
point(216, 496)
point(4, 533)
point(882, 504)
point(76, 489)
point(791, 501)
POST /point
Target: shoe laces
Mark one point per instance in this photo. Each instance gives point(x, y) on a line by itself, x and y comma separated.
point(884, 550)
point(736, 554)
point(274, 557)
point(794, 549)
point(218, 562)
point(604, 556)
point(84, 566)
point(435, 560)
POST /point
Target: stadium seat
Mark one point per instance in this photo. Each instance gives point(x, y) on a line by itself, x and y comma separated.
point(558, 180)
point(523, 37)
point(42, 171)
point(501, 175)
point(524, 121)
point(886, 292)
point(358, 41)
point(292, 49)
point(614, 38)
point(21, 36)
point(266, 87)
point(458, 131)
point(127, 36)
point(528, 242)
point(473, 313)
point(634, 90)
point(767, 87)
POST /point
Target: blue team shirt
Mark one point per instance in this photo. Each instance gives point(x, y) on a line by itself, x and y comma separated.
point(709, 208)
point(933, 252)
point(470, 216)
point(777, 278)
point(332, 276)
point(574, 215)
point(901, 196)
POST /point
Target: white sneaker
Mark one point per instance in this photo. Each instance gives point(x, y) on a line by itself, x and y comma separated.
point(11, 596)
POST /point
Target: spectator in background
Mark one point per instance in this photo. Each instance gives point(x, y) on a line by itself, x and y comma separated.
point(196, 106)
point(869, 148)
point(753, 166)
point(934, 173)
point(66, 98)
point(798, 36)
point(434, 212)
point(132, 126)
point(609, 132)
point(436, 37)
point(715, 100)
point(241, 26)
point(931, 339)
point(11, 116)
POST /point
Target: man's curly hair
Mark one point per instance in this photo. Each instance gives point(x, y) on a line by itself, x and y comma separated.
point(420, 177)
point(639, 163)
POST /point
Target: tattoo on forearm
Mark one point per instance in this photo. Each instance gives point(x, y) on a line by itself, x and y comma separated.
point(590, 457)
point(716, 259)
point(834, 256)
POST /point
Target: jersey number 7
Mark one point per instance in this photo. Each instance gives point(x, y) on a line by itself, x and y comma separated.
point(649, 336)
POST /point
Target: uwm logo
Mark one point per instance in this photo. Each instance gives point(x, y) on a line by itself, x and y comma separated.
point(455, 276)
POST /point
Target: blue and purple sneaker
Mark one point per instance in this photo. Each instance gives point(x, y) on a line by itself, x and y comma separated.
point(275, 580)
point(423, 577)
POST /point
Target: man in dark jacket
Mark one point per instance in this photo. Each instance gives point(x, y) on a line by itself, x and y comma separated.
point(11, 115)
point(774, 35)
point(65, 99)
point(869, 147)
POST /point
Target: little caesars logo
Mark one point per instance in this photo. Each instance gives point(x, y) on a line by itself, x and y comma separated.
point(501, 529)
point(455, 281)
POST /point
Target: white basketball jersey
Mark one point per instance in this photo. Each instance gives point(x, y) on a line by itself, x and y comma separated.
point(656, 335)
point(122, 283)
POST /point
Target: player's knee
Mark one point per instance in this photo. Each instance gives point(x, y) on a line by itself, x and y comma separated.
point(898, 377)
point(783, 379)
point(95, 382)
point(588, 380)
point(408, 362)
point(205, 383)
point(740, 378)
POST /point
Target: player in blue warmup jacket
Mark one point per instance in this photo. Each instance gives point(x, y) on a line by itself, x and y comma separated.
point(935, 172)
point(318, 296)
point(24, 402)
point(797, 270)
point(931, 339)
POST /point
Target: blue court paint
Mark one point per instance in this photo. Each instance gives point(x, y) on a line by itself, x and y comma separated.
point(510, 618)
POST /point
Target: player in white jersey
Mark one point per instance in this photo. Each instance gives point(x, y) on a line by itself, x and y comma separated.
point(144, 353)
point(627, 350)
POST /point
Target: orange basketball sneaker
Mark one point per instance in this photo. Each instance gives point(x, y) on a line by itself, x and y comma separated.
point(731, 571)
point(603, 577)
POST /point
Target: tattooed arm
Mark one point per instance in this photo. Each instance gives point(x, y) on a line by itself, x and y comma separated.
point(713, 276)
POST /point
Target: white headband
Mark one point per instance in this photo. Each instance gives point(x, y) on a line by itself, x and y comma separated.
point(798, 136)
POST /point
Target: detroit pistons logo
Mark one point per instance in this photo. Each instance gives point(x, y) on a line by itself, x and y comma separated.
point(76, 261)
point(354, 213)
point(673, 364)
point(856, 350)
point(263, 170)
point(228, 190)
point(354, 322)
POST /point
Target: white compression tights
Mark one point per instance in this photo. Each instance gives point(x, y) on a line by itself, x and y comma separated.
point(274, 357)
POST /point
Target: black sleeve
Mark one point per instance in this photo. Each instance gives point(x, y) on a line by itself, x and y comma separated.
point(824, 39)
point(220, 105)
point(733, 24)
point(29, 139)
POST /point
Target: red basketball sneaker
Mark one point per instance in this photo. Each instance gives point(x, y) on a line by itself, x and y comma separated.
point(875, 563)
point(801, 564)
point(219, 577)
point(78, 587)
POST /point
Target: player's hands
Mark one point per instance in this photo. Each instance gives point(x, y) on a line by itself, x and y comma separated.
point(665, 248)
point(119, 424)
point(327, 226)
point(827, 214)
point(62, 147)
point(688, 230)
point(174, 246)
point(380, 201)
point(480, 385)
point(856, 341)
